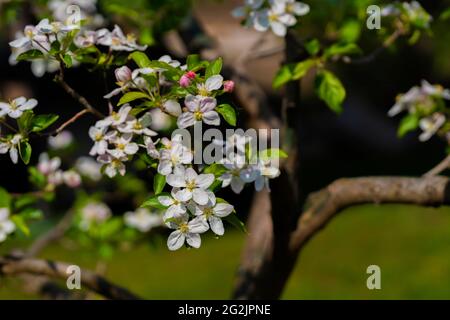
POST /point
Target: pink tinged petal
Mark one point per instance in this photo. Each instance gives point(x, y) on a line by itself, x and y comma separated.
point(204, 180)
point(200, 196)
point(194, 240)
point(176, 240)
point(211, 118)
point(216, 225)
point(207, 104)
point(30, 104)
point(183, 195)
point(198, 225)
point(214, 83)
point(192, 103)
point(186, 120)
point(172, 107)
point(223, 209)
point(176, 180)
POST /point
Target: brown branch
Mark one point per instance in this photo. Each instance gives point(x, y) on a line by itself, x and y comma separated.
point(82, 100)
point(343, 193)
point(52, 235)
point(90, 280)
point(439, 168)
point(69, 122)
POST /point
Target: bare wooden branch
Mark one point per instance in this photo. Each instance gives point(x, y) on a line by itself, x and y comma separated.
point(70, 121)
point(343, 193)
point(439, 168)
point(90, 280)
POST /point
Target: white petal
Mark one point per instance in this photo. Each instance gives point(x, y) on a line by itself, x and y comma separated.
point(192, 103)
point(191, 175)
point(183, 195)
point(176, 180)
point(216, 225)
point(211, 118)
point(172, 107)
point(30, 104)
point(278, 28)
point(186, 120)
point(165, 200)
point(198, 225)
point(200, 196)
point(214, 83)
point(175, 240)
point(223, 209)
point(13, 155)
point(194, 240)
point(237, 185)
point(165, 167)
point(204, 180)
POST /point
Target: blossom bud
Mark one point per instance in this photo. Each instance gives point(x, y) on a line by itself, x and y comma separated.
point(228, 86)
point(185, 81)
point(72, 179)
point(123, 74)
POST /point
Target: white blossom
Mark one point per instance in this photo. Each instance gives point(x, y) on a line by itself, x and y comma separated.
point(94, 213)
point(431, 125)
point(6, 225)
point(142, 219)
point(213, 213)
point(123, 146)
point(47, 166)
point(211, 84)
point(199, 108)
point(101, 137)
point(173, 156)
point(88, 167)
point(17, 107)
point(61, 141)
point(191, 185)
point(113, 166)
point(11, 145)
point(186, 231)
point(117, 40)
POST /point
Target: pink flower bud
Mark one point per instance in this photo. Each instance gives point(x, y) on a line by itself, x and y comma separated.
point(185, 81)
point(72, 179)
point(190, 74)
point(123, 74)
point(228, 86)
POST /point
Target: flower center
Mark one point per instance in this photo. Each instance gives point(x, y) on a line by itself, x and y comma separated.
point(273, 17)
point(190, 185)
point(208, 212)
point(120, 146)
point(198, 115)
point(137, 126)
point(98, 137)
point(184, 228)
point(115, 41)
point(131, 37)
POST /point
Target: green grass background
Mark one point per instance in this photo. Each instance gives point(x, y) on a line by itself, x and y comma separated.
point(410, 244)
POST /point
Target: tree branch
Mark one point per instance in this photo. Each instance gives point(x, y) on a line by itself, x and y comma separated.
point(89, 279)
point(439, 168)
point(343, 193)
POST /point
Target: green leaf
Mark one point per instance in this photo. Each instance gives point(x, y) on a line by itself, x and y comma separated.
point(30, 55)
point(158, 183)
point(42, 122)
point(55, 47)
point(445, 14)
point(25, 151)
point(5, 198)
point(228, 113)
point(236, 222)
point(153, 202)
point(408, 123)
point(67, 60)
point(25, 121)
point(350, 31)
point(193, 61)
point(330, 89)
point(131, 96)
point(269, 154)
point(302, 68)
point(283, 76)
point(341, 49)
point(20, 223)
point(140, 58)
point(216, 169)
point(313, 47)
point(31, 214)
point(36, 177)
point(214, 68)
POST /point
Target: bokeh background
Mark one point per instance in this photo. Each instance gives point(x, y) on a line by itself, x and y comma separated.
point(411, 244)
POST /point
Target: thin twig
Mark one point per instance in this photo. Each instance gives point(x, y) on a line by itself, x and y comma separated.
point(82, 100)
point(70, 121)
point(440, 167)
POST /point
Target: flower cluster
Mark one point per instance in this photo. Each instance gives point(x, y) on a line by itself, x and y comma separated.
point(426, 109)
point(94, 213)
point(143, 219)
point(277, 15)
point(409, 13)
point(50, 169)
